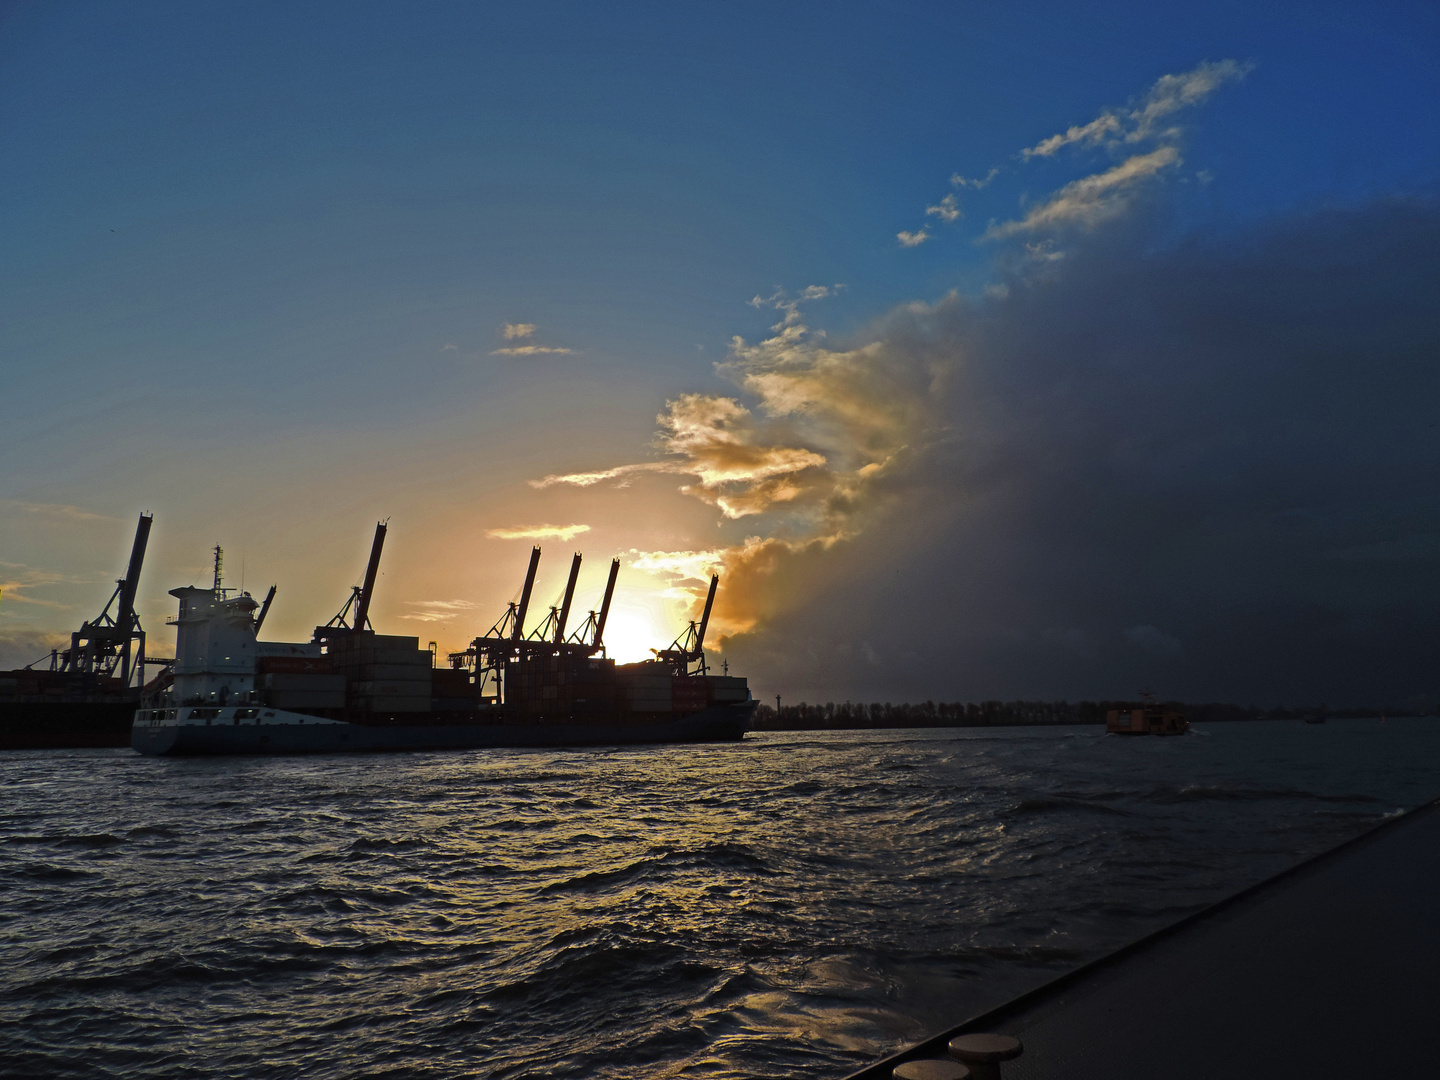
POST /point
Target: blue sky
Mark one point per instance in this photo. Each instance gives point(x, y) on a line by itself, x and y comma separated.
point(258, 262)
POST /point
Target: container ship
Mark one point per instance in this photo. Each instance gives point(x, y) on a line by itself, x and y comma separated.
point(85, 695)
point(351, 689)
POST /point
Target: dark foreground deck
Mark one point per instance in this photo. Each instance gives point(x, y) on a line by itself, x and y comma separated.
point(1330, 968)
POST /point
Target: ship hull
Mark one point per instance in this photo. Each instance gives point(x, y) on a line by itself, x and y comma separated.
point(59, 725)
point(290, 733)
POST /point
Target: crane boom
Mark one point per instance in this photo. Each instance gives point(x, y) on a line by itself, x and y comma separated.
point(367, 591)
point(131, 583)
point(564, 615)
point(705, 618)
point(517, 631)
point(605, 605)
point(264, 609)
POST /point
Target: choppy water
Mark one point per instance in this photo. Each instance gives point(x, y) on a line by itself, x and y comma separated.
point(791, 906)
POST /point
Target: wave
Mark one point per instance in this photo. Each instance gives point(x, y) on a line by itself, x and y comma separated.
point(78, 840)
point(1051, 804)
point(161, 831)
point(661, 863)
point(604, 967)
point(522, 825)
point(783, 908)
point(46, 872)
point(1241, 793)
point(366, 844)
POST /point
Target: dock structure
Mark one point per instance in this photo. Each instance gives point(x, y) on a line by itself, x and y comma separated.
point(1331, 967)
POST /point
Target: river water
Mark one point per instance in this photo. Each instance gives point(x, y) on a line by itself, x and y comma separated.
point(791, 906)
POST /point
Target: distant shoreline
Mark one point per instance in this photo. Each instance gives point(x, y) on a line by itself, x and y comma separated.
point(851, 716)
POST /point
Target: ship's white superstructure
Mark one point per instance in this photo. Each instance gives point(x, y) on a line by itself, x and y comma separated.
point(215, 672)
point(214, 646)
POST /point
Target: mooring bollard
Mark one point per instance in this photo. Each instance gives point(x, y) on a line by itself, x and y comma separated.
point(931, 1069)
point(983, 1053)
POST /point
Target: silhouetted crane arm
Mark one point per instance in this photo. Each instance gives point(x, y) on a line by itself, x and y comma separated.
point(264, 609)
point(705, 617)
point(564, 615)
point(517, 631)
point(131, 583)
point(367, 591)
point(605, 605)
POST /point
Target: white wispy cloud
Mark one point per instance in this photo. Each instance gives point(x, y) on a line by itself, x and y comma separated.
point(782, 301)
point(19, 580)
point(538, 532)
point(691, 566)
point(430, 611)
point(973, 182)
point(621, 473)
point(1142, 119)
point(1103, 127)
point(947, 209)
point(61, 511)
point(11, 592)
point(1171, 93)
point(1104, 195)
point(448, 346)
point(1092, 199)
point(525, 331)
point(1038, 251)
point(717, 442)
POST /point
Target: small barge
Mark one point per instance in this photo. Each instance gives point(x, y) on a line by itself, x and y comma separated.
point(1148, 718)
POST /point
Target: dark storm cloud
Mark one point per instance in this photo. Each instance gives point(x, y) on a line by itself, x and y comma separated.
point(1210, 468)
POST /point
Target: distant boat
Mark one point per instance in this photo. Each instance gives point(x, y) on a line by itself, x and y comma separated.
point(1147, 718)
point(1315, 718)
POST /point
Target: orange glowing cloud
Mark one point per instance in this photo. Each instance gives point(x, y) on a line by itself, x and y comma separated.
point(829, 425)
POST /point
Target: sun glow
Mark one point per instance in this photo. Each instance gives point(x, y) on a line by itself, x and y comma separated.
point(632, 630)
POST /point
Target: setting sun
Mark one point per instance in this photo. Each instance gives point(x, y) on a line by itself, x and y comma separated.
point(632, 630)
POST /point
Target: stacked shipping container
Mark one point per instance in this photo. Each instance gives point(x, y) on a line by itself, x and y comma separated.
point(384, 673)
point(375, 673)
point(452, 690)
point(560, 686)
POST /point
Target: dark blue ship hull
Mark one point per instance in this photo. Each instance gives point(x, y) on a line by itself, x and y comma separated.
point(718, 723)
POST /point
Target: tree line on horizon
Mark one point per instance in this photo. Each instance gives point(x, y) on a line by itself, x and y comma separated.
point(847, 715)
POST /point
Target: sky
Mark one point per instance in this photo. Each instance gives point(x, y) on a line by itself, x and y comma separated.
point(986, 351)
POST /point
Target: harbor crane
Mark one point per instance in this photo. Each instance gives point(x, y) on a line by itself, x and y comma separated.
point(112, 646)
point(507, 643)
point(358, 605)
point(689, 647)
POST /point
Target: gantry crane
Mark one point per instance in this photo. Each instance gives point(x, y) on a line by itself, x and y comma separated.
point(108, 644)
